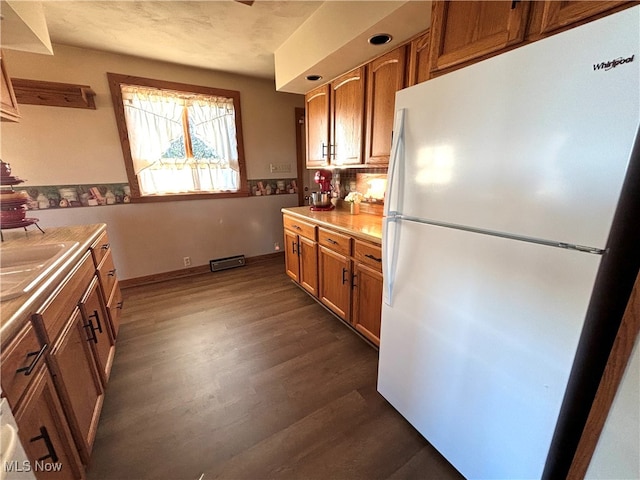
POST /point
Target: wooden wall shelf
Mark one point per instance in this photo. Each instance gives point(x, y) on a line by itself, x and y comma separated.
point(38, 92)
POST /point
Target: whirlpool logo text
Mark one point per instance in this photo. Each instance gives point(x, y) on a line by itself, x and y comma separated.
point(612, 63)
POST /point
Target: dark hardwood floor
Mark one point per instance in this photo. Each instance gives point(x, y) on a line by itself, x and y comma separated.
point(239, 374)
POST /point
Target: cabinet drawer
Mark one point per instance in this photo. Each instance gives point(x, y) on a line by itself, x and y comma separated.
point(335, 241)
point(303, 228)
point(100, 248)
point(107, 272)
point(57, 310)
point(19, 360)
point(369, 254)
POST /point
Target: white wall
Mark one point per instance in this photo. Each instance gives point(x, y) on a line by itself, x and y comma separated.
point(57, 146)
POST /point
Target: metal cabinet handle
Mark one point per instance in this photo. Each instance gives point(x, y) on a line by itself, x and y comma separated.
point(97, 317)
point(293, 248)
point(93, 336)
point(29, 369)
point(376, 259)
point(514, 3)
point(120, 304)
point(353, 280)
point(44, 435)
point(111, 273)
point(105, 246)
point(324, 147)
point(331, 241)
point(344, 279)
point(333, 151)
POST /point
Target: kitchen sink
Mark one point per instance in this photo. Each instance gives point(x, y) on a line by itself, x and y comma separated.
point(21, 269)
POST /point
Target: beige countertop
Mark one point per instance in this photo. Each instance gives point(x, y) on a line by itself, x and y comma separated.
point(15, 312)
point(364, 226)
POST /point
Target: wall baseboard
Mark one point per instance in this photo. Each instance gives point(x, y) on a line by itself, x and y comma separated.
point(188, 272)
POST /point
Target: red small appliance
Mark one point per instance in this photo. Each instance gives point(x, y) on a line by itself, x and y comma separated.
point(322, 200)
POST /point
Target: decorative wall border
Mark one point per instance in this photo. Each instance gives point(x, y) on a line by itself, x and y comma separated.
point(49, 197)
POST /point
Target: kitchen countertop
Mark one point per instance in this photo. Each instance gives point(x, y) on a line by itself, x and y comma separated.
point(364, 226)
point(15, 312)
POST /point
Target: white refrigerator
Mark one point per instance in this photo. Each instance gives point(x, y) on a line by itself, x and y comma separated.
point(510, 240)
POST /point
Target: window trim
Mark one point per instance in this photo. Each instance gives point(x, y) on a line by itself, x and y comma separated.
point(116, 80)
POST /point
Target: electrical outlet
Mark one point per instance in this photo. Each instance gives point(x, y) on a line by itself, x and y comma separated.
point(276, 246)
point(187, 261)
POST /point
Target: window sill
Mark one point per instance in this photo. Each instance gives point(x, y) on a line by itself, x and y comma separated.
point(189, 196)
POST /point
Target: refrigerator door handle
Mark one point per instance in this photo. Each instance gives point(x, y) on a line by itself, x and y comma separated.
point(397, 150)
point(390, 224)
point(390, 242)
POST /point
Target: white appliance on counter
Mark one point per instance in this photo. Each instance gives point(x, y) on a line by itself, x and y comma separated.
point(511, 242)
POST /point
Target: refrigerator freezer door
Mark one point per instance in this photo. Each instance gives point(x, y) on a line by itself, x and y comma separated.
point(477, 347)
point(534, 142)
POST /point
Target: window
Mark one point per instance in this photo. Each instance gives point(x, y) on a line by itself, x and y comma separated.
point(179, 141)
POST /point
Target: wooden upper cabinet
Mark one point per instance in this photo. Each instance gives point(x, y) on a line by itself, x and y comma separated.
point(418, 70)
point(385, 77)
point(8, 103)
point(466, 30)
point(558, 14)
point(347, 118)
point(317, 126)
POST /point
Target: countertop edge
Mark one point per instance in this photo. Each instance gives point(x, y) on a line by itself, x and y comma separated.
point(10, 326)
point(317, 217)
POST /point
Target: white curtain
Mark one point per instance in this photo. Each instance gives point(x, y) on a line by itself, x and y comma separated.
point(155, 121)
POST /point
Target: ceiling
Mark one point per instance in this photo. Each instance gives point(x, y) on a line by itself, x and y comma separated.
point(223, 35)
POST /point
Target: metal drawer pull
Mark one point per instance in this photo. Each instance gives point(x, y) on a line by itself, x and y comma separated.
point(120, 304)
point(44, 435)
point(105, 246)
point(27, 370)
point(296, 227)
point(368, 255)
point(331, 241)
point(111, 273)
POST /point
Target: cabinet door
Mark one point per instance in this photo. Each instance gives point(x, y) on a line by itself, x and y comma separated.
point(385, 77)
point(558, 14)
point(44, 432)
point(114, 309)
point(419, 60)
point(308, 254)
point(367, 302)
point(291, 258)
point(466, 30)
point(317, 126)
point(347, 118)
point(335, 281)
point(78, 382)
point(96, 323)
point(8, 103)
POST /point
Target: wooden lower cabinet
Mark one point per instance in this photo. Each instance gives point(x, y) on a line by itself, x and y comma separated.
point(346, 269)
point(44, 432)
point(78, 382)
point(335, 281)
point(367, 301)
point(96, 323)
point(301, 253)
